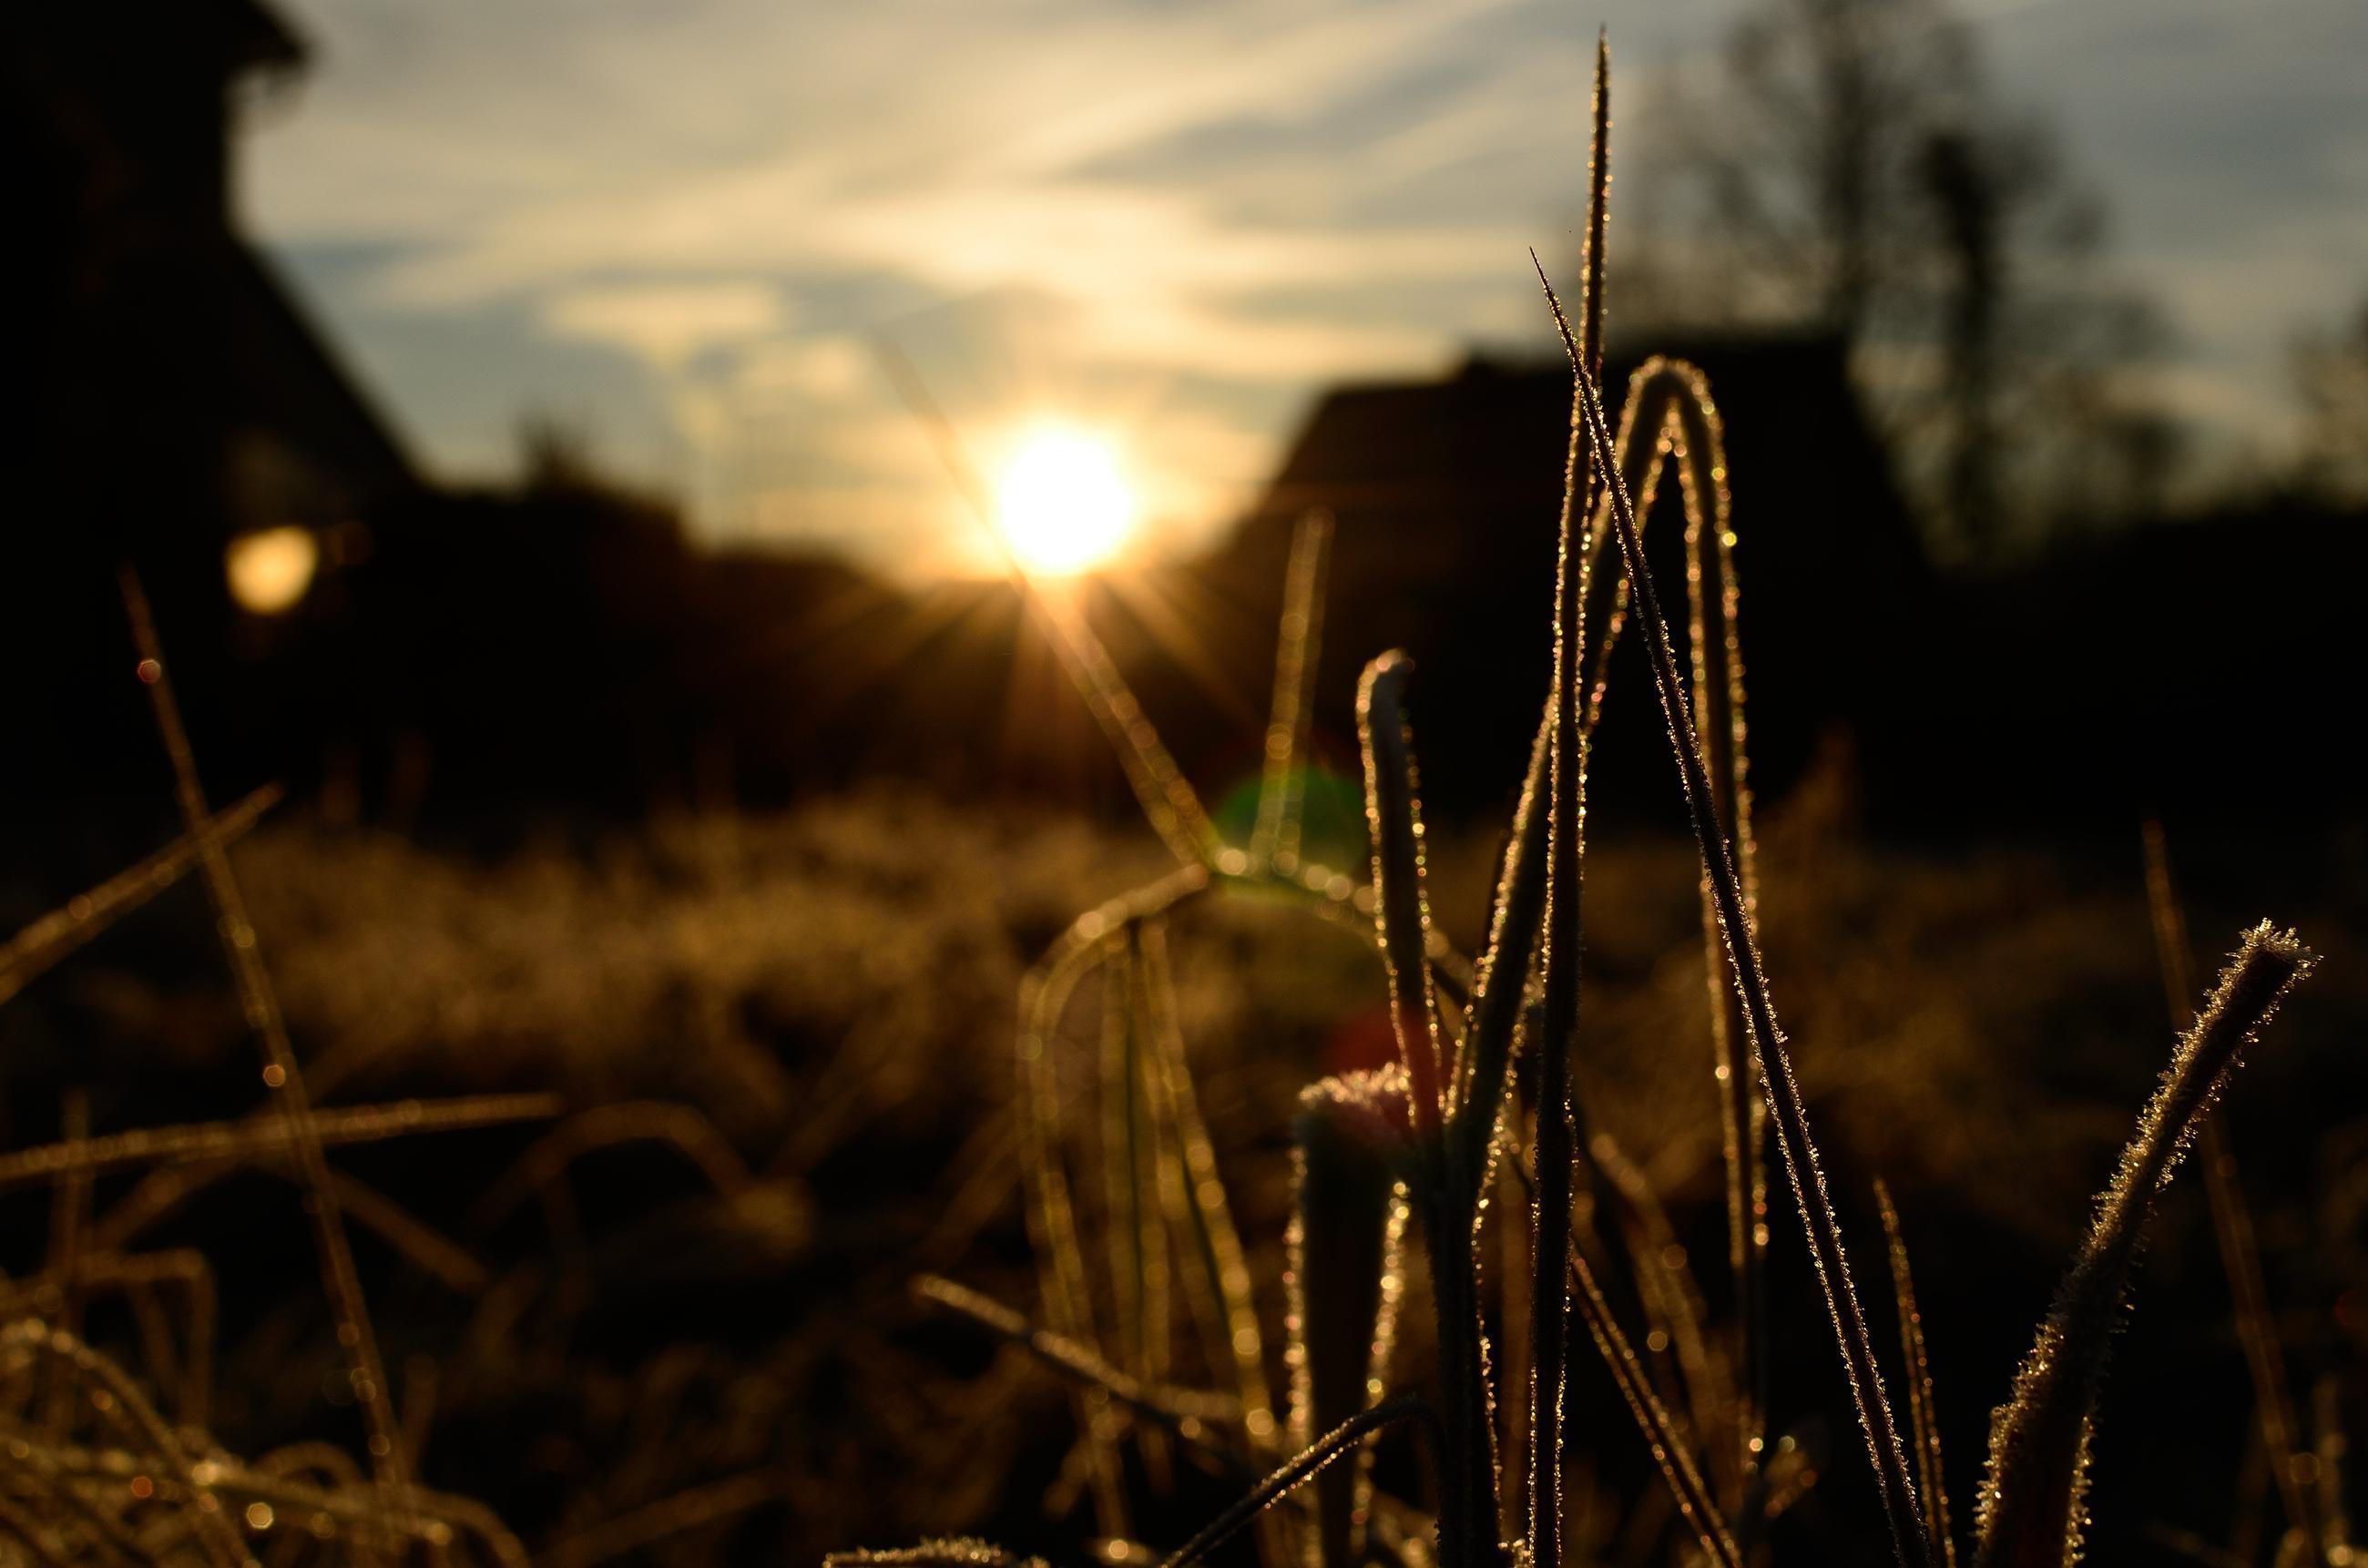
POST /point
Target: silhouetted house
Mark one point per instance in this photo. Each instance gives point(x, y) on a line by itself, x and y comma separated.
point(164, 395)
point(1447, 495)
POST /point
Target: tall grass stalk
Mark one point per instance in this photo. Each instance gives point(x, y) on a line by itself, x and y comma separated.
point(1681, 425)
point(283, 1077)
point(1555, 1140)
point(1667, 417)
point(1691, 434)
point(1274, 841)
point(1923, 1415)
point(1671, 1449)
point(1669, 420)
point(1783, 1091)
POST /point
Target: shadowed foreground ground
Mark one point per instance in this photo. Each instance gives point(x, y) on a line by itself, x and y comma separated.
point(801, 1027)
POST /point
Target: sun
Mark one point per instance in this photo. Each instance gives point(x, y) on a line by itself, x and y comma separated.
point(1062, 503)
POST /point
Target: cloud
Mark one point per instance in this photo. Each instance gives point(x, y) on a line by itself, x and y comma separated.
point(666, 322)
point(737, 196)
point(1195, 212)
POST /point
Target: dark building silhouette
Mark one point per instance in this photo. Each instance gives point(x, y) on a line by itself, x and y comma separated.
point(1447, 495)
point(2189, 665)
point(166, 394)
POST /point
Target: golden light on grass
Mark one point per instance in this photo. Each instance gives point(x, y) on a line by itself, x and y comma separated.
point(1062, 503)
point(270, 570)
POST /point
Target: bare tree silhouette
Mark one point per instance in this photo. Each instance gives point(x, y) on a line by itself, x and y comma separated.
point(2330, 373)
point(1862, 182)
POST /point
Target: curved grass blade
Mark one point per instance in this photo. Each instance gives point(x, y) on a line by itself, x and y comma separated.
point(1467, 1526)
point(1669, 419)
point(1394, 817)
point(1044, 994)
point(1783, 1092)
point(2029, 1512)
point(2232, 1225)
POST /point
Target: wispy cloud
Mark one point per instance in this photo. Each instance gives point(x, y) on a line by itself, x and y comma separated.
point(1177, 218)
point(735, 194)
point(666, 323)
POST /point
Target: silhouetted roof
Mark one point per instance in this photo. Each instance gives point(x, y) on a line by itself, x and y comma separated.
point(1447, 494)
point(287, 377)
point(246, 35)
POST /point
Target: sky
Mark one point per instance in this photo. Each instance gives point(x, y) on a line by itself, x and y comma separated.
point(683, 229)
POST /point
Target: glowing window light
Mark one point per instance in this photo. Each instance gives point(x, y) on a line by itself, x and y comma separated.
point(270, 570)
